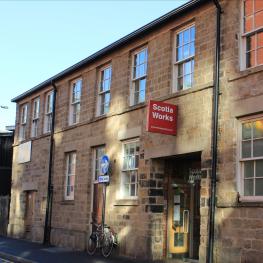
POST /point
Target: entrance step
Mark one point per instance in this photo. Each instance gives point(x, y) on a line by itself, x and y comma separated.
point(185, 260)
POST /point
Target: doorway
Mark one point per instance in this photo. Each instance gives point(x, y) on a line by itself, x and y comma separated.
point(29, 212)
point(183, 220)
point(97, 203)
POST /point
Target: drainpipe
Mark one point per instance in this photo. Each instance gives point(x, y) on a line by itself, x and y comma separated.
point(47, 228)
point(210, 248)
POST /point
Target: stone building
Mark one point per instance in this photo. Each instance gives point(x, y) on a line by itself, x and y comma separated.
point(159, 194)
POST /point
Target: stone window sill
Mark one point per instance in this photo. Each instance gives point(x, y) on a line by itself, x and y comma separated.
point(127, 202)
point(67, 202)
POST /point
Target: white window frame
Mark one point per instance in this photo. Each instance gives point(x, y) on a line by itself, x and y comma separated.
point(74, 111)
point(176, 63)
point(48, 111)
point(243, 40)
point(35, 117)
point(101, 93)
point(136, 170)
point(23, 122)
point(240, 173)
point(135, 79)
point(70, 175)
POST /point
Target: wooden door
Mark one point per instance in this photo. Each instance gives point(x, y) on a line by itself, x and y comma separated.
point(29, 213)
point(179, 218)
point(97, 203)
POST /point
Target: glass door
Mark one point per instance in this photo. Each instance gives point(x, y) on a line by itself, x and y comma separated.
point(179, 218)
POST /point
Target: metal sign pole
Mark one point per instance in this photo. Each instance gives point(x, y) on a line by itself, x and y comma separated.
point(104, 178)
point(103, 206)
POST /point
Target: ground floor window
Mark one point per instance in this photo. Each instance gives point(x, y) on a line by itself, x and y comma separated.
point(251, 158)
point(129, 176)
point(70, 175)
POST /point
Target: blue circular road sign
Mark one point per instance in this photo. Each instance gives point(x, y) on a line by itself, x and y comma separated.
point(104, 164)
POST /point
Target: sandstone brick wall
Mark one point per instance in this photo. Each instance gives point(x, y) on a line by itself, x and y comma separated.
point(238, 224)
point(141, 222)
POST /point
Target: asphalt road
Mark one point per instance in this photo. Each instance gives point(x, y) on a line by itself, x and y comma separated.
point(5, 261)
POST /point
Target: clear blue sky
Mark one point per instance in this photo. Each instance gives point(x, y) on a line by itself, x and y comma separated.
point(41, 38)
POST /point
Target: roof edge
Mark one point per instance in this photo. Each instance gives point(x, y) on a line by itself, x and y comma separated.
point(120, 42)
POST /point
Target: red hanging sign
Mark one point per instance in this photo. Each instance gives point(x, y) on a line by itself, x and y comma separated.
point(162, 117)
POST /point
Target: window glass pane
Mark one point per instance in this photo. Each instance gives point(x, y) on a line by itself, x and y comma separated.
point(260, 38)
point(251, 42)
point(246, 130)
point(180, 70)
point(259, 187)
point(187, 81)
point(136, 60)
point(136, 97)
point(258, 148)
point(69, 164)
point(107, 98)
point(179, 39)
point(142, 69)
point(248, 24)
point(68, 190)
point(126, 190)
point(246, 149)
point(260, 56)
point(126, 178)
point(137, 72)
point(142, 56)
point(133, 177)
point(132, 162)
point(259, 168)
point(187, 68)
point(142, 90)
point(186, 52)
point(107, 73)
point(259, 19)
point(125, 163)
point(186, 36)
point(132, 190)
point(132, 149)
point(258, 5)
point(248, 187)
point(249, 169)
point(251, 62)
point(180, 83)
point(248, 7)
point(106, 85)
point(192, 49)
point(179, 54)
point(258, 129)
point(136, 161)
point(137, 148)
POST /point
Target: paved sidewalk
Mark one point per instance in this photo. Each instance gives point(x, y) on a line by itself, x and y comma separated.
point(16, 250)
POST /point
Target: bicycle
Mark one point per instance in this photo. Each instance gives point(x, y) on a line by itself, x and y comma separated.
point(105, 239)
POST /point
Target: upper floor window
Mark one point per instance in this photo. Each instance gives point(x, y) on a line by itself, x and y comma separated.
point(251, 159)
point(184, 58)
point(139, 72)
point(70, 175)
point(252, 39)
point(130, 169)
point(23, 122)
point(74, 112)
point(48, 111)
point(35, 117)
point(104, 91)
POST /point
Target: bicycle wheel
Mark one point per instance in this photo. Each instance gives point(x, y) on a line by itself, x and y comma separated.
point(92, 244)
point(107, 244)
